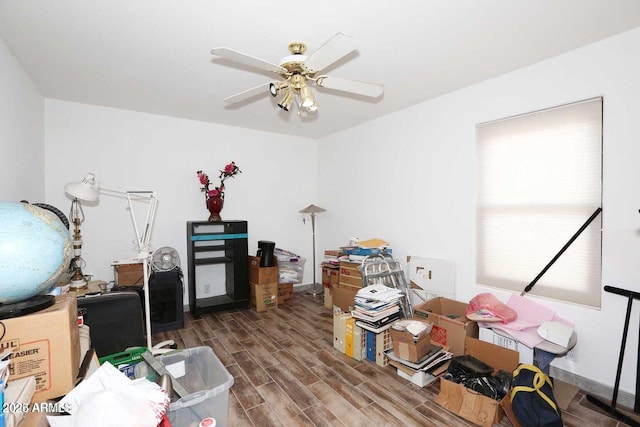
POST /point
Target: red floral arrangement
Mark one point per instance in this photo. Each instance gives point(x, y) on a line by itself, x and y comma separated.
point(229, 171)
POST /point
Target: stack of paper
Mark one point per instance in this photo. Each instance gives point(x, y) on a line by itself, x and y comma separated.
point(376, 307)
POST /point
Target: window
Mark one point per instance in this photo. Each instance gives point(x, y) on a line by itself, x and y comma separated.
point(539, 180)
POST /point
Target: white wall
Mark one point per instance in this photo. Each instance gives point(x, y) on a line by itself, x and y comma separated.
point(21, 133)
point(129, 150)
point(409, 178)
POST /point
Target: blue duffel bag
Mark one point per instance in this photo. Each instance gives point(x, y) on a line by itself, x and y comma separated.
point(532, 398)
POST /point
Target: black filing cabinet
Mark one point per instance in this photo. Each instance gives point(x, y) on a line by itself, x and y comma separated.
point(217, 257)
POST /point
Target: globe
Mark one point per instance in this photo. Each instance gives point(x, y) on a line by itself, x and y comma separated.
point(35, 249)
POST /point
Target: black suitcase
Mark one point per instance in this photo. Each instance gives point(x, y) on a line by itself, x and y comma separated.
point(115, 321)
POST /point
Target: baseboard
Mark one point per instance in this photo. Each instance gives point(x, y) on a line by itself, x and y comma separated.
point(296, 288)
point(625, 399)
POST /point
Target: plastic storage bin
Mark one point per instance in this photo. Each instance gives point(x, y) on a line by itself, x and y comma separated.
point(290, 266)
point(206, 380)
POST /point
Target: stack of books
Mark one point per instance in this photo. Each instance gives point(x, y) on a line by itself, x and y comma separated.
point(376, 307)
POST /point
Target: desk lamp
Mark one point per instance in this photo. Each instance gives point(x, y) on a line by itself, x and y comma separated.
point(89, 189)
point(79, 191)
point(311, 211)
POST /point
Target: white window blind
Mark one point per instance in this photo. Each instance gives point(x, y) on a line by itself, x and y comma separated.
point(539, 180)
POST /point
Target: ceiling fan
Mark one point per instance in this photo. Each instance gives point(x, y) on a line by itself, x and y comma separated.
point(297, 71)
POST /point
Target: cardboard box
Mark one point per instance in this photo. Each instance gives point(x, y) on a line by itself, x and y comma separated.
point(46, 345)
point(349, 282)
point(489, 335)
point(261, 275)
point(343, 296)
point(450, 326)
point(264, 297)
point(330, 276)
point(285, 293)
point(129, 274)
point(468, 404)
point(408, 347)
point(350, 269)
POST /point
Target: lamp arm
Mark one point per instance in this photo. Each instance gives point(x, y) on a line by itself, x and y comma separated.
point(143, 239)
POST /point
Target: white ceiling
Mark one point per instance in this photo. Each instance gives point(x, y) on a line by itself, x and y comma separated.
point(154, 55)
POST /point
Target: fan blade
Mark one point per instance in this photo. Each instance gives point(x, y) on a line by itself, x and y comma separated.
point(335, 48)
point(352, 86)
point(254, 91)
point(243, 58)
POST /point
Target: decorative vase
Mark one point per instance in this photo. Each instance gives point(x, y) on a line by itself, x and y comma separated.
point(214, 205)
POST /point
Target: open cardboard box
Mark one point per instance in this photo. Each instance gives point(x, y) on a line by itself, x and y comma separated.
point(450, 325)
point(262, 275)
point(408, 347)
point(471, 405)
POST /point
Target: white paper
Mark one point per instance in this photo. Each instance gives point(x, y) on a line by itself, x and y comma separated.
point(108, 397)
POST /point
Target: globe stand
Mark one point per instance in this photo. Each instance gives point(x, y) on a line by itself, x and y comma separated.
point(31, 305)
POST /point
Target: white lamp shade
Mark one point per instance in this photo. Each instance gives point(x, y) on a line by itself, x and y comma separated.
point(86, 190)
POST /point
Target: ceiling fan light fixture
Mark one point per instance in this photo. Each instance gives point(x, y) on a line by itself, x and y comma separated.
point(307, 100)
point(275, 88)
point(296, 70)
point(286, 101)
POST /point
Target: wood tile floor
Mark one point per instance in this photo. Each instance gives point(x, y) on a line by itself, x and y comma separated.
point(287, 373)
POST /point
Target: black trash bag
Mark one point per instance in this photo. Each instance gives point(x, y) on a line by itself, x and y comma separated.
point(478, 376)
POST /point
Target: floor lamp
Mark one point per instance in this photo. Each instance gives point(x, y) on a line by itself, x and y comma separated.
point(311, 211)
point(89, 189)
